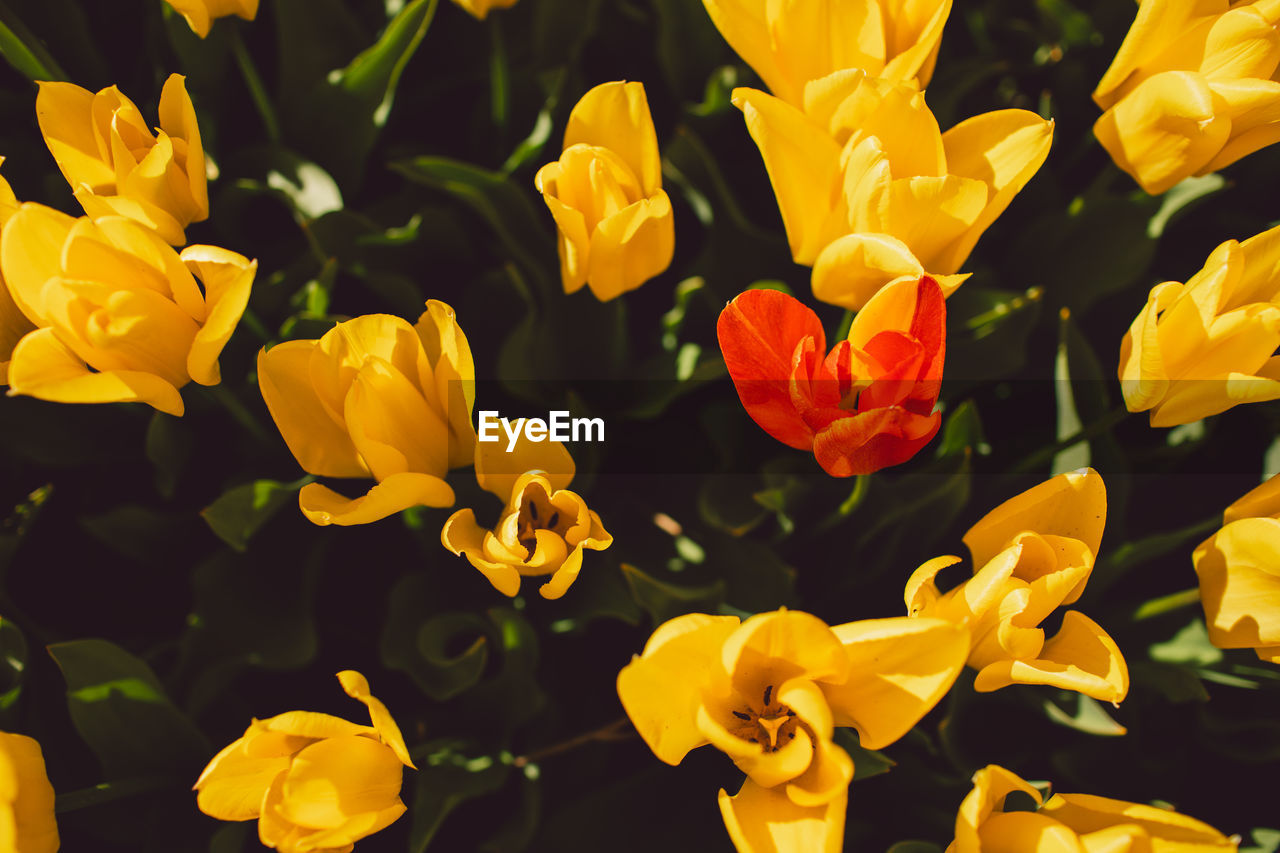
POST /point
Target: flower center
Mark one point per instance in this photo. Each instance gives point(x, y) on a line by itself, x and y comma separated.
point(536, 514)
point(773, 725)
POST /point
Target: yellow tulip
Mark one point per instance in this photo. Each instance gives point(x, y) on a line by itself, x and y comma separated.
point(1031, 555)
point(200, 13)
point(375, 397)
point(116, 166)
point(769, 692)
point(1072, 823)
point(27, 824)
point(312, 781)
point(543, 529)
point(1192, 89)
point(481, 8)
point(872, 192)
point(1239, 571)
point(792, 42)
point(616, 227)
point(13, 323)
point(1198, 349)
point(121, 316)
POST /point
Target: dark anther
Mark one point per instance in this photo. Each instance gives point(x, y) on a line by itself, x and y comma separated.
point(790, 713)
point(753, 740)
point(768, 692)
point(791, 735)
point(741, 716)
point(553, 520)
point(533, 510)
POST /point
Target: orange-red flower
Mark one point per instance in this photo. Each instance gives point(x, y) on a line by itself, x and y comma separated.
point(866, 405)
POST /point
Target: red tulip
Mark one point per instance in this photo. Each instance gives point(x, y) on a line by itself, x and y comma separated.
point(867, 404)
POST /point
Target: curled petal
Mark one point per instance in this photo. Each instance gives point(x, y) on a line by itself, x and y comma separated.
point(991, 785)
point(1080, 657)
point(464, 537)
point(324, 506)
point(357, 687)
point(869, 441)
point(1088, 813)
point(227, 278)
point(766, 820)
point(1073, 504)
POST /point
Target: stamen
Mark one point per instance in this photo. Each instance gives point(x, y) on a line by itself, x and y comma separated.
point(553, 520)
point(790, 713)
point(741, 716)
point(533, 510)
point(791, 735)
point(753, 740)
point(768, 692)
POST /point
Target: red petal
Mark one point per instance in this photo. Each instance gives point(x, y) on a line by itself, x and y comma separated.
point(929, 327)
point(761, 332)
point(869, 441)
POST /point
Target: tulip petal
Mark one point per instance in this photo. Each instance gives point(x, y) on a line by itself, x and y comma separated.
point(1240, 583)
point(1088, 813)
point(178, 120)
point(1190, 400)
point(803, 162)
point(357, 687)
point(464, 537)
point(564, 576)
point(30, 807)
point(765, 820)
point(631, 246)
point(344, 349)
point(391, 425)
point(44, 367)
point(233, 785)
point(1073, 504)
point(297, 728)
point(744, 25)
point(63, 111)
point(453, 377)
point(337, 778)
point(869, 441)
point(353, 829)
point(1003, 149)
point(573, 243)
point(323, 505)
point(497, 470)
point(898, 670)
point(852, 269)
point(30, 253)
point(1258, 502)
point(1080, 657)
point(227, 278)
point(827, 778)
point(661, 689)
point(991, 785)
point(319, 442)
point(1157, 26)
point(1017, 832)
point(770, 648)
point(810, 40)
point(616, 116)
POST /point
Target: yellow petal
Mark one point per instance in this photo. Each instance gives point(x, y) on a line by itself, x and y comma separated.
point(661, 689)
point(1019, 832)
point(178, 119)
point(1165, 130)
point(803, 163)
point(63, 111)
point(1003, 149)
point(931, 214)
point(344, 349)
point(357, 687)
point(1088, 813)
point(136, 208)
point(318, 441)
point(631, 247)
point(30, 254)
point(852, 269)
point(827, 778)
point(391, 425)
point(44, 367)
point(564, 576)
point(353, 829)
point(338, 778)
point(764, 766)
point(1193, 399)
point(1241, 43)
point(1080, 657)
point(233, 785)
point(288, 732)
point(1240, 583)
point(898, 670)
point(321, 505)
point(1158, 27)
point(227, 279)
point(913, 35)
point(616, 116)
point(991, 785)
point(31, 806)
point(921, 593)
point(744, 26)
point(572, 241)
point(811, 40)
point(1072, 504)
point(497, 470)
point(1259, 502)
point(770, 648)
point(464, 537)
point(453, 373)
point(1144, 379)
point(765, 820)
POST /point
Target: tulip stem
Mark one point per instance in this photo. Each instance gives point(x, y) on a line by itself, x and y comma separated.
point(619, 729)
point(253, 80)
point(1045, 455)
point(499, 74)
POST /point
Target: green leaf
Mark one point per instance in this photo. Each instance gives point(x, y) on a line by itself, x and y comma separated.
point(1181, 198)
point(22, 50)
point(1190, 646)
point(987, 334)
point(239, 512)
point(168, 445)
point(446, 778)
point(1264, 841)
point(309, 191)
point(1174, 682)
point(663, 601)
point(866, 762)
point(444, 654)
point(13, 663)
point(914, 847)
point(1069, 424)
point(339, 120)
point(599, 593)
point(962, 431)
point(120, 709)
point(1087, 716)
point(313, 38)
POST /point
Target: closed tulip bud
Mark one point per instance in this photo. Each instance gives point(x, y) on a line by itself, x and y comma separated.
point(1031, 555)
point(769, 692)
point(1239, 571)
point(121, 316)
point(545, 527)
point(872, 192)
point(1072, 822)
point(27, 824)
point(1192, 89)
point(200, 14)
point(1200, 348)
point(792, 42)
point(481, 8)
point(866, 405)
point(315, 783)
point(616, 226)
point(116, 166)
point(375, 397)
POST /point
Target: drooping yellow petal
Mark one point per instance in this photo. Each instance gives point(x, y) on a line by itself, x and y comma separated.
point(44, 367)
point(898, 670)
point(464, 537)
point(357, 687)
point(564, 576)
point(1080, 657)
point(1071, 504)
point(497, 470)
point(616, 116)
point(765, 820)
point(1088, 813)
point(316, 439)
point(322, 505)
point(661, 689)
point(227, 278)
point(827, 778)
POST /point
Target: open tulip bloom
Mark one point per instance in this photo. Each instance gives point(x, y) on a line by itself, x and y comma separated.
point(768, 692)
point(867, 404)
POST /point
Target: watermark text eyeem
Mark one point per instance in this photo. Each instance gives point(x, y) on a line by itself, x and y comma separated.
point(558, 426)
